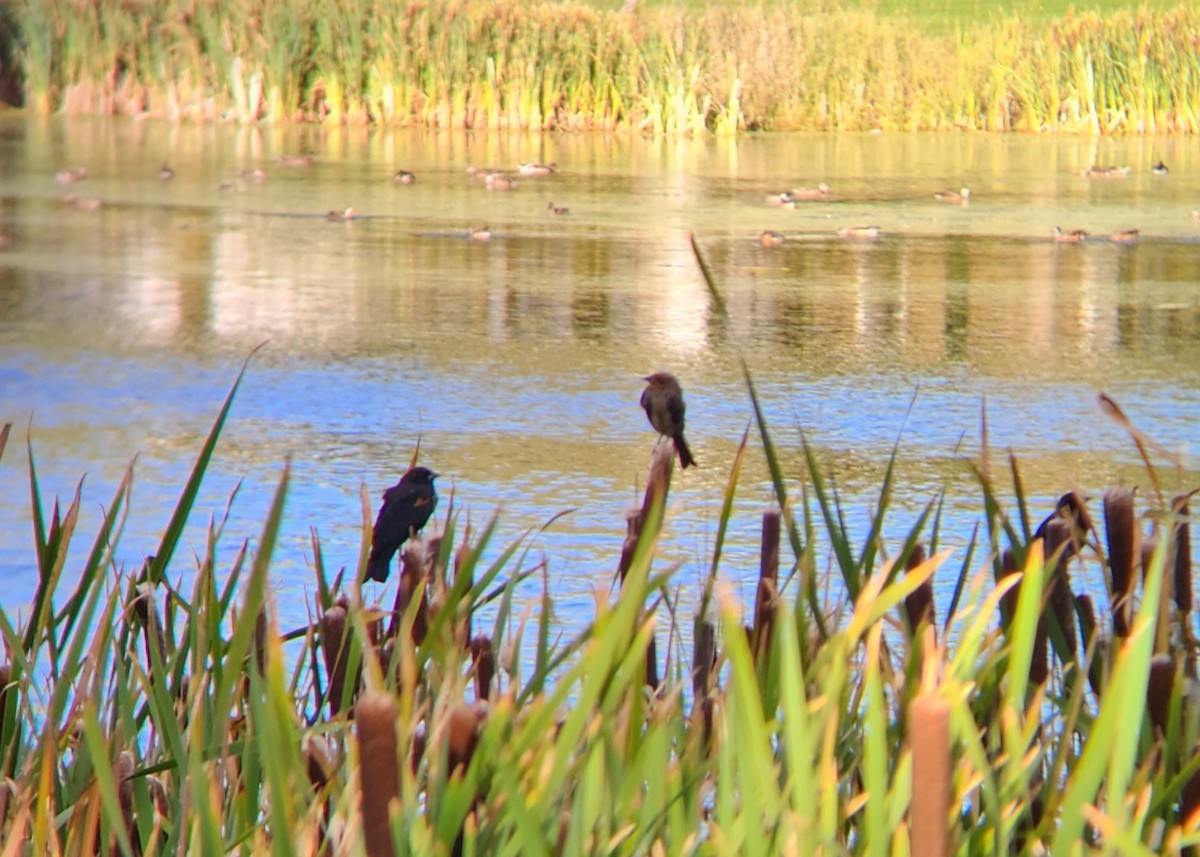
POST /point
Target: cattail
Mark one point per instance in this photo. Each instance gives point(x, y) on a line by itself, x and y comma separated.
point(1039, 665)
point(1123, 553)
point(1159, 689)
point(768, 587)
point(485, 665)
point(462, 735)
point(379, 773)
point(1183, 555)
point(260, 641)
point(334, 645)
point(1059, 547)
point(320, 760)
point(412, 570)
point(929, 738)
point(919, 603)
point(704, 658)
point(122, 775)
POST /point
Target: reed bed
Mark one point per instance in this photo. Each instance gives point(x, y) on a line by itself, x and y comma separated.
point(141, 717)
point(664, 69)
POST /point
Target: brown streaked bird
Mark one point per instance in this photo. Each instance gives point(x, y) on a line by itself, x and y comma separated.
point(1104, 172)
point(341, 216)
point(535, 169)
point(662, 400)
point(770, 238)
point(165, 173)
point(819, 192)
point(484, 234)
point(404, 177)
point(499, 181)
point(71, 176)
point(1075, 236)
point(1123, 236)
point(407, 507)
point(557, 209)
point(80, 203)
point(960, 198)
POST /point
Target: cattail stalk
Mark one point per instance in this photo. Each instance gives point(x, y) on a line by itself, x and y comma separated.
point(379, 769)
point(1123, 554)
point(768, 588)
point(918, 605)
point(929, 737)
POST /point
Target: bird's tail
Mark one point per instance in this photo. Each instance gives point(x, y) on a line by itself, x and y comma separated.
point(685, 454)
point(379, 565)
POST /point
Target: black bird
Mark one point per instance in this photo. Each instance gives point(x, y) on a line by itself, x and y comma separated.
point(662, 400)
point(406, 507)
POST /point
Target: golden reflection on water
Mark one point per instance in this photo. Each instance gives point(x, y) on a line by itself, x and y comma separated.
point(518, 360)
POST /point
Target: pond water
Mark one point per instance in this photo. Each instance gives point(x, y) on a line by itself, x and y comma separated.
point(517, 362)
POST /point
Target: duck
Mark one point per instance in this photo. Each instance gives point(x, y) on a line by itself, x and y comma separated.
point(341, 216)
point(253, 175)
point(403, 177)
point(71, 176)
point(484, 234)
point(500, 181)
point(781, 200)
point(557, 209)
point(535, 169)
point(1075, 236)
point(296, 160)
point(1160, 169)
point(770, 238)
point(962, 197)
point(860, 232)
point(1098, 172)
point(81, 203)
point(165, 173)
point(819, 192)
point(482, 173)
point(1123, 236)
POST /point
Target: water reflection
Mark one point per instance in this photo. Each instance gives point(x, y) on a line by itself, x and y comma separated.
point(517, 362)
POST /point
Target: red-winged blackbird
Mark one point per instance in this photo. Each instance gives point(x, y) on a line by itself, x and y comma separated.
point(663, 402)
point(406, 507)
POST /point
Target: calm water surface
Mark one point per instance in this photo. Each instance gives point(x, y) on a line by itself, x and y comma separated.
point(517, 363)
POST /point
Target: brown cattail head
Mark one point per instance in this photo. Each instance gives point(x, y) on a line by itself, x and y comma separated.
point(463, 723)
point(1123, 554)
point(412, 572)
point(1086, 611)
point(5, 682)
point(320, 760)
point(1183, 555)
point(379, 772)
point(929, 738)
point(1159, 688)
point(334, 645)
point(260, 641)
point(704, 659)
point(767, 597)
point(1060, 548)
point(919, 603)
point(485, 665)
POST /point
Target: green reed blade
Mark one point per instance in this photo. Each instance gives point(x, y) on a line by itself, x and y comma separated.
point(170, 539)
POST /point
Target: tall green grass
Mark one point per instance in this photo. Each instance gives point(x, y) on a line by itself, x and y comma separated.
point(665, 68)
point(140, 717)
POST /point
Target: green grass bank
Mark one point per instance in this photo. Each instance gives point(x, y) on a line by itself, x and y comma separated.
point(660, 68)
